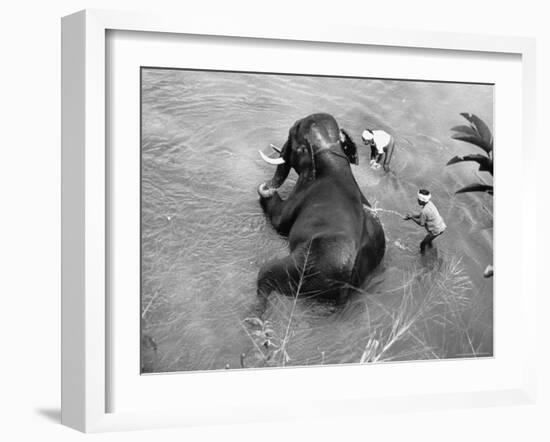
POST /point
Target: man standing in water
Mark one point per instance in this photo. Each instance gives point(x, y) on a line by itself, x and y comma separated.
point(381, 145)
point(429, 218)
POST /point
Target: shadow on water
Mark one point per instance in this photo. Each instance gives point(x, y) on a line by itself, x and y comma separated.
point(204, 236)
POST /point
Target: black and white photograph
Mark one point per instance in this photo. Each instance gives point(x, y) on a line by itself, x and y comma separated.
point(302, 220)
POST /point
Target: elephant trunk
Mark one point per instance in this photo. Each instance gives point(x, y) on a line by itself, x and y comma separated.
point(280, 175)
point(282, 163)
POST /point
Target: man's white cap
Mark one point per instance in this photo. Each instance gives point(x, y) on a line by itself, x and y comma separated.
point(424, 198)
point(367, 135)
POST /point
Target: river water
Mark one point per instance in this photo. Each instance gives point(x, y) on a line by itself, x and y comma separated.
point(204, 236)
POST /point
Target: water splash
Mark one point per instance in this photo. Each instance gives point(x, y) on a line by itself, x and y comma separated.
point(375, 210)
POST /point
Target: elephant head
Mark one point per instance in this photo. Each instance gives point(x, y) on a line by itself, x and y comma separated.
point(307, 139)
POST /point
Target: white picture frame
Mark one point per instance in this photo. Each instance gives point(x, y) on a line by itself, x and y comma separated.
point(85, 206)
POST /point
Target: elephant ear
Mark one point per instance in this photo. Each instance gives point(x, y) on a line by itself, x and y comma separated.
point(349, 147)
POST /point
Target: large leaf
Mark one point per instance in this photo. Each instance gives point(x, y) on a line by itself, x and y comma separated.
point(478, 133)
point(466, 130)
point(485, 163)
point(476, 187)
point(473, 139)
point(482, 129)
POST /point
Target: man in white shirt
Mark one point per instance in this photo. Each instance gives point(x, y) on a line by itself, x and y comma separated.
point(382, 145)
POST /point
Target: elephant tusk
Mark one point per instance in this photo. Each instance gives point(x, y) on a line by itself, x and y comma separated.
point(273, 161)
point(275, 148)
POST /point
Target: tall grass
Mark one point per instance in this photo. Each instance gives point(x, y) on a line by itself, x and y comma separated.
point(269, 340)
point(433, 314)
point(428, 321)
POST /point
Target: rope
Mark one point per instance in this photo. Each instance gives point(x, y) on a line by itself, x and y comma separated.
point(379, 209)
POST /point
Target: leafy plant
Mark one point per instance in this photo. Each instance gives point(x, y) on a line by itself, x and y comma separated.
point(478, 134)
point(265, 340)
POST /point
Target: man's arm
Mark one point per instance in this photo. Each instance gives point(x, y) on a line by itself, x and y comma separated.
point(416, 217)
point(373, 151)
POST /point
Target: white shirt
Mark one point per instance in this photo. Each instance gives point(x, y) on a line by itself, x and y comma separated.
point(382, 139)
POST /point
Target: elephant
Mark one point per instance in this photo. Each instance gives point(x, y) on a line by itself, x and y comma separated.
point(334, 242)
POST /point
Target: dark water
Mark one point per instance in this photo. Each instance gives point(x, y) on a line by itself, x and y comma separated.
point(204, 236)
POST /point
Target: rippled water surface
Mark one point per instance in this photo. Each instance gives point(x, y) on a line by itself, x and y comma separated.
point(204, 236)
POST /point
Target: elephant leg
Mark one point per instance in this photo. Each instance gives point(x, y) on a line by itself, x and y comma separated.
point(274, 208)
point(278, 275)
point(290, 276)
